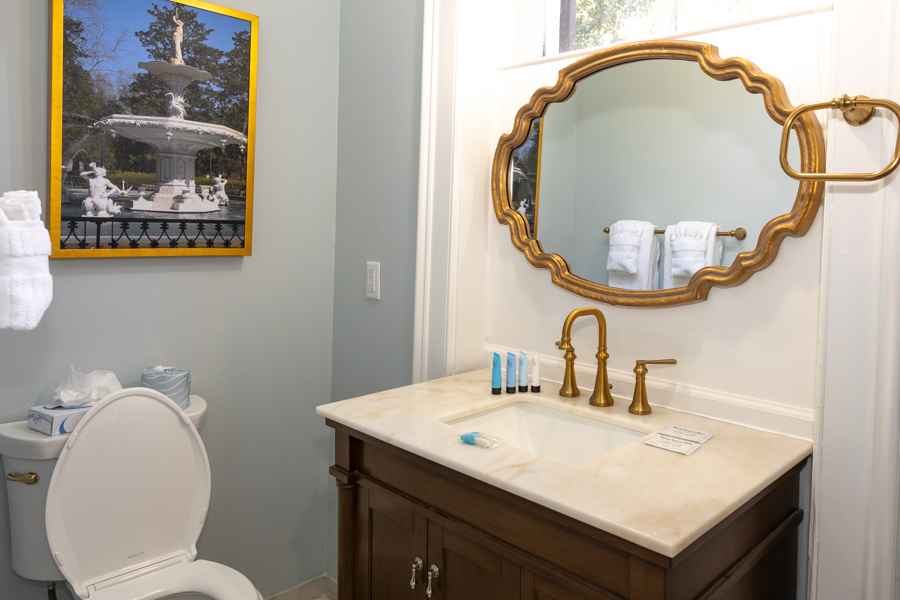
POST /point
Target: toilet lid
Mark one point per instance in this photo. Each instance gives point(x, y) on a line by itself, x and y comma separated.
point(131, 489)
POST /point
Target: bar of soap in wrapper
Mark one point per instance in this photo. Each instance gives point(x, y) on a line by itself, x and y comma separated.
point(173, 382)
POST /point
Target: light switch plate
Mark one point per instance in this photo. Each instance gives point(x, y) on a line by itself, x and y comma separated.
point(373, 280)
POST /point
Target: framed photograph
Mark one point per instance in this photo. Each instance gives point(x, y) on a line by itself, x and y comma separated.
point(152, 119)
point(525, 176)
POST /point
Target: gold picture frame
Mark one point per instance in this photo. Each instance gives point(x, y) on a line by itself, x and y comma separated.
point(795, 223)
point(183, 217)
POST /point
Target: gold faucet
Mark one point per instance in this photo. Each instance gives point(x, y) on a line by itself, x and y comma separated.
point(601, 395)
point(639, 404)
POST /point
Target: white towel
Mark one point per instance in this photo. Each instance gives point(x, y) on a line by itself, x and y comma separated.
point(26, 287)
point(689, 247)
point(633, 261)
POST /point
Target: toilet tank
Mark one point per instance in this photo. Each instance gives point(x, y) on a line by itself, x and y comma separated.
point(25, 450)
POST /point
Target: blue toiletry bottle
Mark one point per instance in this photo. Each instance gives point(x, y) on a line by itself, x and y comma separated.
point(510, 373)
point(496, 376)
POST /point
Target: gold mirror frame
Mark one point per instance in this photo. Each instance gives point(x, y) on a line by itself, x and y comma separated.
point(795, 223)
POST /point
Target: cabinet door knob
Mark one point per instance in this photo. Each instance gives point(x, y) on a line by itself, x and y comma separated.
point(416, 566)
point(433, 573)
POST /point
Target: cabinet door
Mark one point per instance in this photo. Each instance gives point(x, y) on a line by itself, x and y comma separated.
point(541, 587)
point(390, 537)
point(468, 570)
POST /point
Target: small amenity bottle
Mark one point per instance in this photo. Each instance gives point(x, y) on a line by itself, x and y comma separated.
point(523, 372)
point(496, 376)
point(535, 372)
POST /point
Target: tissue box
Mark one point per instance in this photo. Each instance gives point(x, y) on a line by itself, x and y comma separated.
point(56, 421)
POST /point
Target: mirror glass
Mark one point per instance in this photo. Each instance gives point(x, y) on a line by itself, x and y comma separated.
point(656, 141)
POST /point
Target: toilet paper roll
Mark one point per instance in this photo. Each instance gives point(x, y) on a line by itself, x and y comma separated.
point(174, 382)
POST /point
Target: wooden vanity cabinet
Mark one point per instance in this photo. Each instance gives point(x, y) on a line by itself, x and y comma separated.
point(488, 544)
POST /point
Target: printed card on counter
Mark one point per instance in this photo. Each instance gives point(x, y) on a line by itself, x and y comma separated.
point(672, 444)
point(684, 433)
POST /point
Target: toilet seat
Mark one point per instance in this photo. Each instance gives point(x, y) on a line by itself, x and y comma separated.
point(127, 502)
point(201, 577)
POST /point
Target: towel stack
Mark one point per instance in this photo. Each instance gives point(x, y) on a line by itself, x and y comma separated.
point(690, 246)
point(26, 287)
point(633, 261)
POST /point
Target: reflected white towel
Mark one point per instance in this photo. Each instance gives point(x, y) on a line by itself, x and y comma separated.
point(633, 262)
point(26, 287)
point(689, 247)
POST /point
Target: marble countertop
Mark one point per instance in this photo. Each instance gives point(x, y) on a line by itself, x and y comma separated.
point(658, 499)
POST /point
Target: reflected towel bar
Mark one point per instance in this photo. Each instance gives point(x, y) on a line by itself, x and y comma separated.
point(738, 234)
point(854, 114)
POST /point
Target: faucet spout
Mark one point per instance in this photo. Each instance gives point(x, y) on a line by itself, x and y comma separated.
point(569, 389)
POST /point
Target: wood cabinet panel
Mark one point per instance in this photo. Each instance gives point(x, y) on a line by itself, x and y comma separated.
point(393, 538)
point(469, 570)
point(563, 541)
point(768, 578)
point(693, 574)
point(492, 545)
point(560, 589)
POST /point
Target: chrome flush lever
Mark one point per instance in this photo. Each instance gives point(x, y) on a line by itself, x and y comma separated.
point(432, 574)
point(416, 566)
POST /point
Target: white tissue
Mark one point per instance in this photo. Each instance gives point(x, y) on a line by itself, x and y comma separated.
point(81, 388)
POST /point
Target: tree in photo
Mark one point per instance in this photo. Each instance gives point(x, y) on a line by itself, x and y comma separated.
point(147, 92)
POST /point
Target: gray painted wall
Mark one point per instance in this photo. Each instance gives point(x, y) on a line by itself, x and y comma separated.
point(256, 331)
point(377, 190)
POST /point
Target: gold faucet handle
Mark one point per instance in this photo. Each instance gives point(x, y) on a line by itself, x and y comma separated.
point(639, 404)
point(564, 344)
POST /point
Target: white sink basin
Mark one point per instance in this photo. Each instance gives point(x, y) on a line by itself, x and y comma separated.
point(550, 433)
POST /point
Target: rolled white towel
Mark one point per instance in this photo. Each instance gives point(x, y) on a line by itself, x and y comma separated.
point(624, 247)
point(690, 246)
point(26, 287)
point(688, 255)
point(21, 206)
point(633, 255)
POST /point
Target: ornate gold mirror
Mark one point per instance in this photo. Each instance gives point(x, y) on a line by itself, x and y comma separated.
point(670, 139)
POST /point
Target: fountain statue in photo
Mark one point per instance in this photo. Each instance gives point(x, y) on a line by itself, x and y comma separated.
point(175, 140)
point(177, 38)
point(221, 197)
point(98, 203)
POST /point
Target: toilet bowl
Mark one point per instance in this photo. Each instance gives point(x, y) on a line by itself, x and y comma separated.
point(127, 501)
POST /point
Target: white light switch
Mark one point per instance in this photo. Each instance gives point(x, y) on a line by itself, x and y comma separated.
point(373, 280)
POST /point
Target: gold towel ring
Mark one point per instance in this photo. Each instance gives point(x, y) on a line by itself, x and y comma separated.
point(855, 114)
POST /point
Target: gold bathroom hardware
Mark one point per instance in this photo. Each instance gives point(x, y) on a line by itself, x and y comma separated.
point(639, 404)
point(569, 389)
point(739, 233)
point(27, 479)
point(857, 110)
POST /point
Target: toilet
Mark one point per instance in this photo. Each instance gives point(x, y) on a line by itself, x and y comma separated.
point(125, 505)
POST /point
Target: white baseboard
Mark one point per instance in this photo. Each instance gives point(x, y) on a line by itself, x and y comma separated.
point(322, 587)
point(757, 413)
